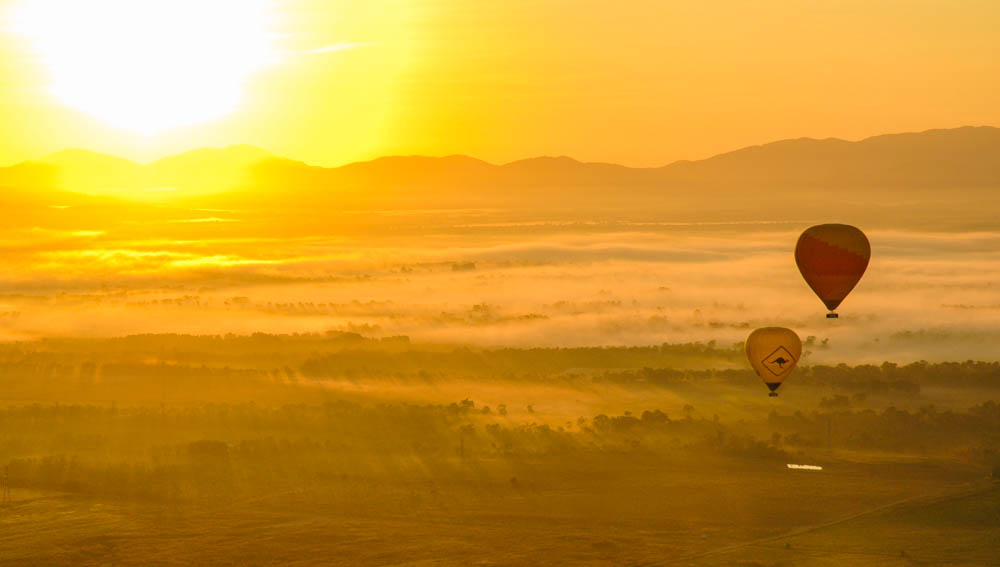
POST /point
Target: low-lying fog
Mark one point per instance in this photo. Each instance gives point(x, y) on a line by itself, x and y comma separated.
point(477, 278)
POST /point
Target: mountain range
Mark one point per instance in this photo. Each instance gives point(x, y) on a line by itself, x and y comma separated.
point(966, 159)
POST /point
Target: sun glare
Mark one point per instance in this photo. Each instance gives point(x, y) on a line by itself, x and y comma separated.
point(149, 65)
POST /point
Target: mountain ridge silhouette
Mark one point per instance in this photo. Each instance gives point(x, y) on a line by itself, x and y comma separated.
point(967, 157)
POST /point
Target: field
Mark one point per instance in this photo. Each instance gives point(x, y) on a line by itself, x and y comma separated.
point(394, 452)
point(489, 387)
point(640, 510)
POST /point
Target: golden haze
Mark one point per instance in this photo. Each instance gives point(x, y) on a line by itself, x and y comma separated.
point(641, 83)
point(220, 346)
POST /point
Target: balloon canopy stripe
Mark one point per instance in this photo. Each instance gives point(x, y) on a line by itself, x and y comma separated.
point(832, 258)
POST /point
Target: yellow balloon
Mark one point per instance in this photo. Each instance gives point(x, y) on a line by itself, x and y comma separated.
point(773, 352)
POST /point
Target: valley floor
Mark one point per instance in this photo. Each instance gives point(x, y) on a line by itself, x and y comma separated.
point(630, 509)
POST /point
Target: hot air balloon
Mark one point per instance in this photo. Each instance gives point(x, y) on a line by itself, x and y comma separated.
point(832, 259)
point(773, 353)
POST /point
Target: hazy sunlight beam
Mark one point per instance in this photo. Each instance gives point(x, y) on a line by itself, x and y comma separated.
point(149, 65)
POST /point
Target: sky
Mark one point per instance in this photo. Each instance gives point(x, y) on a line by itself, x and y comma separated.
point(637, 82)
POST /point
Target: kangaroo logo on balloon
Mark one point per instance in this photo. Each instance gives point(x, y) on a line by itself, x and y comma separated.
point(773, 353)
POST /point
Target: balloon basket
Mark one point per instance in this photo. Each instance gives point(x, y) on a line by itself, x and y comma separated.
point(832, 316)
point(772, 394)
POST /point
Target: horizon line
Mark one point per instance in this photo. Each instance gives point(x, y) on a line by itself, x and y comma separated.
point(273, 155)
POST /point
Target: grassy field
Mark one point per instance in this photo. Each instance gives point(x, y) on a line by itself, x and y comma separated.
point(638, 509)
point(957, 526)
point(324, 449)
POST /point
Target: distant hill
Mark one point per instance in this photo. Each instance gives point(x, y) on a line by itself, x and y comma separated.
point(85, 161)
point(195, 172)
point(936, 160)
point(34, 184)
point(962, 161)
point(91, 172)
point(206, 169)
point(960, 157)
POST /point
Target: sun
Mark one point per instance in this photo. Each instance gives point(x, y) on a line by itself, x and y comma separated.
point(149, 65)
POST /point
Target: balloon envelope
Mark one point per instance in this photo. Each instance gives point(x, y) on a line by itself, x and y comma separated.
point(773, 352)
point(832, 259)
